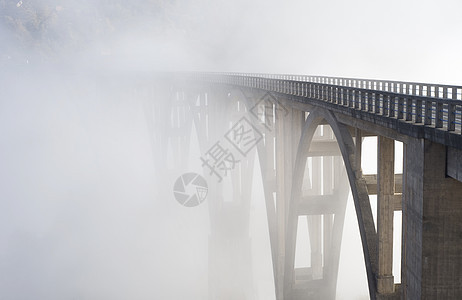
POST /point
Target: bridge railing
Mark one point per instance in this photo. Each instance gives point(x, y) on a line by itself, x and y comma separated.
point(434, 105)
point(402, 87)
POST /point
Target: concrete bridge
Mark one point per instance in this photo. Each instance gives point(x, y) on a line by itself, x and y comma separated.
point(307, 133)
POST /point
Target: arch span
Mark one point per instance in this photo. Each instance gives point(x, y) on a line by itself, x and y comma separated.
point(358, 189)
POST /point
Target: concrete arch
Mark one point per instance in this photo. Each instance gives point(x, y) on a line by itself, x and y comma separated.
point(358, 189)
point(213, 112)
point(266, 156)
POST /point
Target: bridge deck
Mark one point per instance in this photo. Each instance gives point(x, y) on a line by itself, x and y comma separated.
point(419, 110)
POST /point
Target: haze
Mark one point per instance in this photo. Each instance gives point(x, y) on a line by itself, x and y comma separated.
point(84, 213)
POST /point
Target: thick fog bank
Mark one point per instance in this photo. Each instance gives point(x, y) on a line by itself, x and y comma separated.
point(84, 214)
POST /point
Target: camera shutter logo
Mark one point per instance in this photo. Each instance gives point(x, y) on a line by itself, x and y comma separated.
point(190, 189)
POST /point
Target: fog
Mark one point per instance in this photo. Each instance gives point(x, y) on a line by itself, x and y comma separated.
point(85, 212)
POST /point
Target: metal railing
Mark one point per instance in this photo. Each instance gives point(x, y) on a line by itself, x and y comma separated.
point(436, 105)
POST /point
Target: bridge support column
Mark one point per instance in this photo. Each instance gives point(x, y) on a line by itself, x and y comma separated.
point(432, 225)
point(385, 210)
point(314, 223)
point(358, 147)
point(288, 131)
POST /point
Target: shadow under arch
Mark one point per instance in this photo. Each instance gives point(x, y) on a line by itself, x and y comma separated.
point(358, 189)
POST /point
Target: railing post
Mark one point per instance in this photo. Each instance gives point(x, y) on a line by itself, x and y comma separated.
point(377, 103)
point(428, 112)
point(392, 106)
point(385, 105)
point(418, 110)
point(439, 110)
point(350, 94)
point(356, 98)
point(452, 111)
point(451, 117)
point(408, 108)
point(399, 114)
point(331, 94)
point(337, 95)
point(370, 102)
point(428, 107)
point(410, 89)
point(344, 97)
point(363, 100)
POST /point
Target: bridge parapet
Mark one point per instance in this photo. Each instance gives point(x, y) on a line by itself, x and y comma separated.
point(403, 87)
point(420, 110)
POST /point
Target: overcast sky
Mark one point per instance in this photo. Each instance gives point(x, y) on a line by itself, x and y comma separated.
point(399, 40)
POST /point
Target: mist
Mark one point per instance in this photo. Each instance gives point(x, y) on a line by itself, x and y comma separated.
point(85, 211)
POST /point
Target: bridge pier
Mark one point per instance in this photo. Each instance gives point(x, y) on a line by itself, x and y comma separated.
point(230, 260)
point(288, 131)
point(432, 229)
point(385, 211)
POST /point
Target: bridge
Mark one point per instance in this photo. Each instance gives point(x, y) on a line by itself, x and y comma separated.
point(307, 132)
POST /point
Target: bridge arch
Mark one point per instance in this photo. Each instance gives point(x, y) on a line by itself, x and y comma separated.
point(358, 189)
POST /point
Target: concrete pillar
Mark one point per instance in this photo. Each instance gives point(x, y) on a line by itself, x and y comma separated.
point(230, 260)
point(385, 210)
point(432, 225)
point(280, 206)
point(328, 179)
point(314, 223)
point(314, 226)
point(358, 151)
point(288, 131)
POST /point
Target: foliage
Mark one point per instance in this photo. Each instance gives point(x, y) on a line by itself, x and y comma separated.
point(49, 27)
